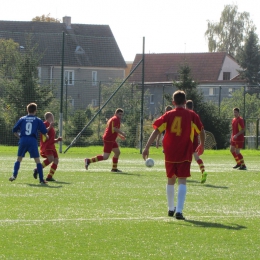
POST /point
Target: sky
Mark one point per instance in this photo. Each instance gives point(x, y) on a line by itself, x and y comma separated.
point(168, 26)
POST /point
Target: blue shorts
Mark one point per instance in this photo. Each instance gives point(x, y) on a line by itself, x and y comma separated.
point(28, 144)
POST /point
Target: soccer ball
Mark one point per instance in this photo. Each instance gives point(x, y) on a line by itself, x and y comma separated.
point(149, 162)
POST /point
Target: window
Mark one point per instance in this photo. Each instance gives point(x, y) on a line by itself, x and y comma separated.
point(212, 91)
point(152, 99)
point(69, 77)
point(39, 74)
point(226, 75)
point(230, 90)
point(94, 102)
point(94, 78)
point(71, 102)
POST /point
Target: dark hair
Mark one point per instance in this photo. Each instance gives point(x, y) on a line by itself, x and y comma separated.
point(168, 108)
point(236, 109)
point(31, 108)
point(189, 104)
point(179, 97)
point(119, 110)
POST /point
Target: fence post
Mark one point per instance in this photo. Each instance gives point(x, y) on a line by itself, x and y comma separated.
point(61, 90)
point(257, 132)
point(142, 105)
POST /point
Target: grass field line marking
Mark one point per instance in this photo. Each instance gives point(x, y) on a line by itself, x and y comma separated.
point(109, 219)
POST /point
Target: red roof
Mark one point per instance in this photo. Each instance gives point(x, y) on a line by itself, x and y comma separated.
point(164, 67)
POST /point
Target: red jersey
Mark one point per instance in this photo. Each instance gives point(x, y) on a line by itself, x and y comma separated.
point(180, 126)
point(238, 125)
point(50, 143)
point(110, 134)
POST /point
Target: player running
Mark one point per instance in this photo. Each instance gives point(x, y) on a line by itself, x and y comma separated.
point(112, 131)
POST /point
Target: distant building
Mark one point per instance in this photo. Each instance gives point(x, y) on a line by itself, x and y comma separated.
point(91, 55)
point(216, 73)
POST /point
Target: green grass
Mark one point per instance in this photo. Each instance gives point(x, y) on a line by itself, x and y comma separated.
point(97, 214)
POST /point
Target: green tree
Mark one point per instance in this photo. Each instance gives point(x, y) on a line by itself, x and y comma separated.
point(207, 111)
point(21, 86)
point(45, 18)
point(9, 56)
point(25, 87)
point(230, 32)
point(249, 105)
point(249, 60)
point(77, 121)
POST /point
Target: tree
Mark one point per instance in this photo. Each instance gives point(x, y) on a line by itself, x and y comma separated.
point(207, 111)
point(249, 60)
point(21, 86)
point(229, 33)
point(45, 18)
point(9, 55)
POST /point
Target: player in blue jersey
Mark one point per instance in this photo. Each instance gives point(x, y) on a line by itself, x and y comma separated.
point(26, 129)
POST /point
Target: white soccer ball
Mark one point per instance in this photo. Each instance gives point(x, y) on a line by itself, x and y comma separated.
point(149, 162)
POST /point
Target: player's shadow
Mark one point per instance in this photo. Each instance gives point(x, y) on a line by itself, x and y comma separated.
point(126, 173)
point(207, 185)
point(215, 225)
point(44, 186)
point(61, 182)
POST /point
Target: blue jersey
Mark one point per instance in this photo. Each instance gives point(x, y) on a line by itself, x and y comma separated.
point(28, 126)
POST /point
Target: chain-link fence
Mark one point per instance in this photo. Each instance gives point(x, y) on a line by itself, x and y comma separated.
point(82, 80)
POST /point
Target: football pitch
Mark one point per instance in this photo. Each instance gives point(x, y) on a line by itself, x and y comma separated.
point(97, 214)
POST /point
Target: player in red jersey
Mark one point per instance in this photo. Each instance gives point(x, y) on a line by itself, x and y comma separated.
point(112, 131)
point(237, 139)
point(189, 105)
point(48, 149)
point(179, 124)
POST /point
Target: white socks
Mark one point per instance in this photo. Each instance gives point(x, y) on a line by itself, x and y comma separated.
point(181, 197)
point(170, 196)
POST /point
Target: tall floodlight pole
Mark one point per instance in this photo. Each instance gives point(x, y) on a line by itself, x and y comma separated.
point(219, 100)
point(61, 90)
point(142, 104)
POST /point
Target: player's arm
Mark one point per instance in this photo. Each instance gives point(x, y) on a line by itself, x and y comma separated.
point(239, 133)
point(17, 135)
point(121, 134)
point(200, 148)
point(158, 140)
point(58, 139)
point(151, 139)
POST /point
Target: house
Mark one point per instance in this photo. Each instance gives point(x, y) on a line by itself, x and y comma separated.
point(215, 72)
point(91, 55)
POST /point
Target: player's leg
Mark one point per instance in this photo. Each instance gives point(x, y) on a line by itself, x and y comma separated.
point(240, 157)
point(39, 169)
point(45, 162)
point(55, 160)
point(201, 166)
point(108, 146)
point(115, 158)
point(22, 149)
point(170, 172)
point(183, 172)
point(16, 168)
point(234, 153)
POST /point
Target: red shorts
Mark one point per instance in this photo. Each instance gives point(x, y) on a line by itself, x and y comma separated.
point(180, 170)
point(237, 144)
point(109, 146)
point(47, 152)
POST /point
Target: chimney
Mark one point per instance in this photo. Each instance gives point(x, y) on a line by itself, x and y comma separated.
point(67, 21)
